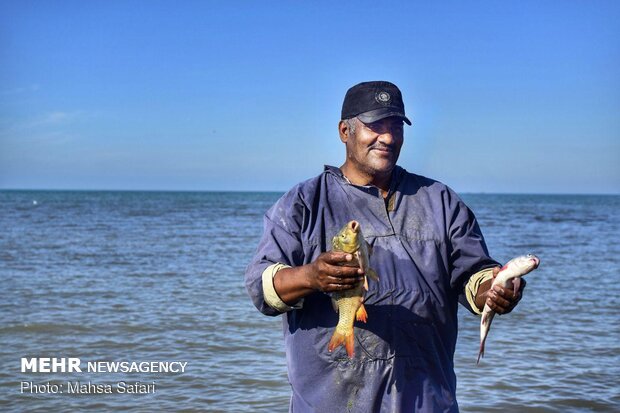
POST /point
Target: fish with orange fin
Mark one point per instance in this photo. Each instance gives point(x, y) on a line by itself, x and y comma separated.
point(349, 303)
point(509, 273)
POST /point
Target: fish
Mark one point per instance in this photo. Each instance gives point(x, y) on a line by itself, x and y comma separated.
point(511, 272)
point(349, 304)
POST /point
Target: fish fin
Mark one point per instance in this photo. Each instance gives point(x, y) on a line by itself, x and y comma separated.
point(366, 283)
point(361, 314)
point(360, 261)
point(339, 339)
point(372, 274)
point(335, 305)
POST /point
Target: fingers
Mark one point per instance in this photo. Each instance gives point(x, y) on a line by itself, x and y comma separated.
point(343, 280)
point(342, 284)
point(335, 272)
point(338, 271)
point(502, 300)
point(336, 258)
point(342, 275)
point(339, 264)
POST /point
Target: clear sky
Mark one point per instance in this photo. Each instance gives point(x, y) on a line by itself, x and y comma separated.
point(505, 96)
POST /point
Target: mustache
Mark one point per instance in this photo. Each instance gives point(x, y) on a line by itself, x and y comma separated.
point(383, 147)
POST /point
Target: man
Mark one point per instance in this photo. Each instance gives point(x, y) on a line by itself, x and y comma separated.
point(427, 249)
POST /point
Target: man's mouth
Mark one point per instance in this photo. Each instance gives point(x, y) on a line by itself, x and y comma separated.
point(385, 149)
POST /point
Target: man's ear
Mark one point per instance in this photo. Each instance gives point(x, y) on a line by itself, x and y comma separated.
point(343, 131)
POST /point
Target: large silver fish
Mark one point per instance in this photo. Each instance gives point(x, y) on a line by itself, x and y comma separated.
point(511, 272)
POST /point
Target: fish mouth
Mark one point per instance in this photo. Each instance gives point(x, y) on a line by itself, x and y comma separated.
point(534, 260)
point(354, 226)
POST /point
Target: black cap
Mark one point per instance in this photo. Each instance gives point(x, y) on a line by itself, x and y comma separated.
point(372, 101)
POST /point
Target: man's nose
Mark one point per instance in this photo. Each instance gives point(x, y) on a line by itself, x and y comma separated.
point(386, 136)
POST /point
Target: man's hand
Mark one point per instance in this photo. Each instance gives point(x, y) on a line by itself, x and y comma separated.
point(334, 271)
point(330, 272)
point(501, 300)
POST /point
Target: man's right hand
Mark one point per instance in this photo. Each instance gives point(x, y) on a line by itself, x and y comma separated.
point(334, 271)
point(330, 272)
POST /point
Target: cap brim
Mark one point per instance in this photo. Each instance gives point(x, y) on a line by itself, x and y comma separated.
point(378, 114)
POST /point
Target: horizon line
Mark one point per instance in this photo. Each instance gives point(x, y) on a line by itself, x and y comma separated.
point(281, 191)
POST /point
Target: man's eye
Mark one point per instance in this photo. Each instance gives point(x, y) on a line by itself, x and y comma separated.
point(397, 127)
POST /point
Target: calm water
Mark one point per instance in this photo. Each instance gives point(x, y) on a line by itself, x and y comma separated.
point(130, 276)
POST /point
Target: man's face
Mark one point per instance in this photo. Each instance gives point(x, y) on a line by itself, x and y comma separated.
point(374, 147)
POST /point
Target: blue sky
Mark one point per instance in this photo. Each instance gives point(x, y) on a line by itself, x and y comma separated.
point(505, 96)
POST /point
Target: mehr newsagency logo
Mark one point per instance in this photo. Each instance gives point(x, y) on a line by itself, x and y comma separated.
point(59, 365)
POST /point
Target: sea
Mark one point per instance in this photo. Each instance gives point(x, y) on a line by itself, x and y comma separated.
point(156, 278)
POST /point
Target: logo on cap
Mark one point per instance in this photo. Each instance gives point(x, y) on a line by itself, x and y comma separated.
point(383, 97)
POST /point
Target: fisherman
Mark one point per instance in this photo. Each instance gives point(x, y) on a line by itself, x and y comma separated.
point(427, 250)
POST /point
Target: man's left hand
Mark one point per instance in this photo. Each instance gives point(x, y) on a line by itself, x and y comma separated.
point(503, 300)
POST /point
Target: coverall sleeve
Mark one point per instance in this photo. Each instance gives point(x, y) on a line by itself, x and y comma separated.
point(468, 250)
point(277, 245)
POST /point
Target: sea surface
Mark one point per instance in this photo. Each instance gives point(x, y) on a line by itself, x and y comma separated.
point(158, 276)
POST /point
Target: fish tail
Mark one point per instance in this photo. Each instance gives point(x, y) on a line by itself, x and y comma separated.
point(339, 339)
point(485, 326)
point(480, 352)
point(361, 314)
point(349, 345)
